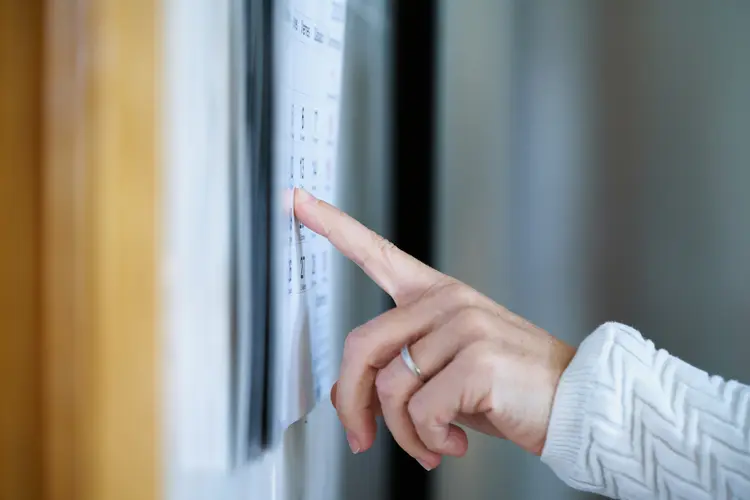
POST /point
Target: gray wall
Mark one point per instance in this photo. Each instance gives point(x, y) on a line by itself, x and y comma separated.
point(594, 164)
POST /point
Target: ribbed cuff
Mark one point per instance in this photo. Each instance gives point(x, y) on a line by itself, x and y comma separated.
point(565, 434)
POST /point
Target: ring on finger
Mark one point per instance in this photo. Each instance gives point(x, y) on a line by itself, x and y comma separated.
point(409, 362)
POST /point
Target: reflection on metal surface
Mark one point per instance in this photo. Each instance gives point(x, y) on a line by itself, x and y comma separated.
point(594, 166)
point(365, 153)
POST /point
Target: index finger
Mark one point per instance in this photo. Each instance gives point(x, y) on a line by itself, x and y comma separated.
point(399, 274)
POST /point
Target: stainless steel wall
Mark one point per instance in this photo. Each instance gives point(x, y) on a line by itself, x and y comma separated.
point(364, 158)
point(314, 462)
point(594, 164)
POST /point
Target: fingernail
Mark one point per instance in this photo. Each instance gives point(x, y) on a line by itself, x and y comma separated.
point(424, 464)
point(353, 443)
point(303, 195)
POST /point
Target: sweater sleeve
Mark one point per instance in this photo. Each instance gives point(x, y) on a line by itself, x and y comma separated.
point(633, 422)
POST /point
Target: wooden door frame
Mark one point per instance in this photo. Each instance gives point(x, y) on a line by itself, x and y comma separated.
point(101, 249)
point(20, 308)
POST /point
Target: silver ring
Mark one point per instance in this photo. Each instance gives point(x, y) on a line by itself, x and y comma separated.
point(409, 361)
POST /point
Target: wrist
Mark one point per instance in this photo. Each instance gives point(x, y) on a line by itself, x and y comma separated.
point(560, 359)
point(571, 403)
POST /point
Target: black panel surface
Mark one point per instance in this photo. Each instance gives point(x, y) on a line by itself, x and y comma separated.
point(413, 163)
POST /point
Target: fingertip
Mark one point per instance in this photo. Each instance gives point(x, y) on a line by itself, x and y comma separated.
point(430, 462)
point(358, 421)
point(457, 443)
point(366, 434)
point(302, 200)
point(302, 196)
point(361, 435)
point(304, 204)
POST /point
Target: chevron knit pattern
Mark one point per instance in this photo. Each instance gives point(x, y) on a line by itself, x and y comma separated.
point(633, 422)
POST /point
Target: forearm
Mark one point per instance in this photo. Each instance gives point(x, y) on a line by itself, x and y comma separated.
point(633, 422)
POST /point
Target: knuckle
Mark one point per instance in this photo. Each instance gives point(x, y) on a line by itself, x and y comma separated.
point(467, 295)
point(440, 289)
point(379, 249)
point(459, 293)
point(473, 320)
point(381, 243)
point(342, 216)
point(355, 344)
point(386, 386)
point(480, 358)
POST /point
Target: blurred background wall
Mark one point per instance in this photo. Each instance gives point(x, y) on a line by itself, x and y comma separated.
point(594, 164)
point(365, 155)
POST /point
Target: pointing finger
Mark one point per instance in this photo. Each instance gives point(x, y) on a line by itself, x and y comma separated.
point(399, 274)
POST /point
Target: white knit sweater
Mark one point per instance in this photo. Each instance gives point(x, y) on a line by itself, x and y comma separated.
point(633, 422)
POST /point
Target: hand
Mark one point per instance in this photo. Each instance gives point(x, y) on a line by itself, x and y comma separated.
point(481, 365)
